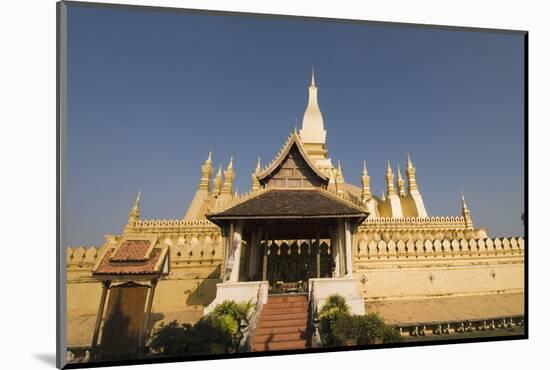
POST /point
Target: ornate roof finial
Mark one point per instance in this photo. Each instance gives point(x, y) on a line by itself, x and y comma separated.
point(219, 174)
point(388, 168)
point(313, 75)
point(209, 160)
point(409, 162)
point(365, 168)
point(339, 167)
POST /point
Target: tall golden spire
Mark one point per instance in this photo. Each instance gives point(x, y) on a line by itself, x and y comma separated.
point(466, 213)
point(411, 175)
point(206, 173)
point(366, 194)
point(389, 181)
point(400, 183)
point(313, 129)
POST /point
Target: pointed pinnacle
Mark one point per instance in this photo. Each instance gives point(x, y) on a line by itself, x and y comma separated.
point(399, 173)
point(209, 160)
point(388, 169)
point(219, 174)
point(138, 199)
point(258, 166)
point(464, 205)
point(313, 75)
point(230, 165)
point(365, 168)
point(409, 162)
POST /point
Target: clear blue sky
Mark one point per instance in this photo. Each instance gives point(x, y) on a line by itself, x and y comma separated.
point(151, 92)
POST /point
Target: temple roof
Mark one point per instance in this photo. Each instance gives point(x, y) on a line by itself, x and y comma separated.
point(290, 203)
point(140, 256)
point(293, 139)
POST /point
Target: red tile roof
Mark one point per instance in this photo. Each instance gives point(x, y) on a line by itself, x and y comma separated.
point(132, 250)
point(130, 258)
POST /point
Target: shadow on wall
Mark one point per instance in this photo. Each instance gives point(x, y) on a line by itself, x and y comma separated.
point(205, 291)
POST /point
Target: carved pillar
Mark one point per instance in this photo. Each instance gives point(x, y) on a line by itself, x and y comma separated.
point(236, 246)
point(252, 254)
point(106, 285)
point(348, 241)
point(341, 246)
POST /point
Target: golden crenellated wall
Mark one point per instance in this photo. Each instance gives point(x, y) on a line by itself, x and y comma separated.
point(391, 259)
point(425, 268)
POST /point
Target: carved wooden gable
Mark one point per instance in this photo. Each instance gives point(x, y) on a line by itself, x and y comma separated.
point(293, 171)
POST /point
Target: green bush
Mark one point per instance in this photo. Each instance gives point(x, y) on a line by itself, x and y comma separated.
point(339, 327)
point(215, 333)
point(391, 335)
point(346, 328)
point(334, 307)
point(172, 339)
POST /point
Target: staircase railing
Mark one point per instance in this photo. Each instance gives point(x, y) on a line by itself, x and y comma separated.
point(313, 324)
point(261, 299)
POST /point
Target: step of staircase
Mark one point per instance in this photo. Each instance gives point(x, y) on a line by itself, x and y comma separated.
point(274, 316)
point(281, 330)
point(278, 346)
point(282, 324)
point(283, 305)
point(279, 337)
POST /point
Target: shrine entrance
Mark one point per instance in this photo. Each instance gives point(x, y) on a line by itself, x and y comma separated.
point(286, 237)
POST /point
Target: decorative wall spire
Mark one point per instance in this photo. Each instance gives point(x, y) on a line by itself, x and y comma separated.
point(411, 177)
point(133, 216)
point(366, 194)
point(218, 181)
point(206, 173)
point(255, 180)
point(339, 180)
point(389, 181)
point(400, 183)
point(229, 177)
point(466, 213)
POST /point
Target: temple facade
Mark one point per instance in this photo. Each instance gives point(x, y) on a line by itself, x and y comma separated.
point(300, 229)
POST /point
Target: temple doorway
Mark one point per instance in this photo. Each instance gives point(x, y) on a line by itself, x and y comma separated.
point(290, 264)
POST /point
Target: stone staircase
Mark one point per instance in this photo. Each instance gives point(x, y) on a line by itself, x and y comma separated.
point(282, 324)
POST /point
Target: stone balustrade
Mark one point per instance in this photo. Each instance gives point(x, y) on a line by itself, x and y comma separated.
point(446, 248)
